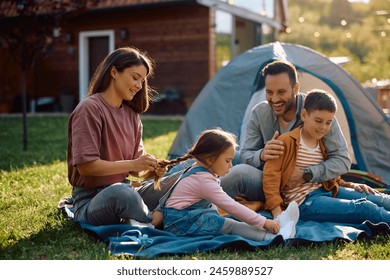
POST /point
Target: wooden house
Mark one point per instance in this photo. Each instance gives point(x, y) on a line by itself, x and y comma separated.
point(183, 37)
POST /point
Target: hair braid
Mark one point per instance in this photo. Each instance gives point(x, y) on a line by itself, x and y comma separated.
point(164, 163)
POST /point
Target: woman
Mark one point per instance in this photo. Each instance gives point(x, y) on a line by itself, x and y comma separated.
point(105, 142)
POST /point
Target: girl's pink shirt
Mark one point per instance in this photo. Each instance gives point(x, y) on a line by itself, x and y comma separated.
point(204, 185)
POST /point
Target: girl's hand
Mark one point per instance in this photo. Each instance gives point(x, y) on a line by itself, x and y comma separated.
point(272, 226)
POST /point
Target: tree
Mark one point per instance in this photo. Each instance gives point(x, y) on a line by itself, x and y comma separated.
point(340, 10)
point(29, 28)
point(363, 37)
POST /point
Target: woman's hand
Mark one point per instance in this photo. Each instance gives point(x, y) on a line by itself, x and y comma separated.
point(160, 171)
point(144, 163)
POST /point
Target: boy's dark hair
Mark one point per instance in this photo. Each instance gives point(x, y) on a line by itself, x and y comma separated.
point(278, 67)
point(317, 99)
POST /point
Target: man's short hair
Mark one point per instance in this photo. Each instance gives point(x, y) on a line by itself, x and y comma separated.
point(278, 67)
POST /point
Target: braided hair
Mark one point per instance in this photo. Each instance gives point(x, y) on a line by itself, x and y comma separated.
point(209, 145)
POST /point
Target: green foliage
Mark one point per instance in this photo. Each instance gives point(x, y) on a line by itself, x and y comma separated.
point(32, 183)
point(223, 49)
point(341, 28)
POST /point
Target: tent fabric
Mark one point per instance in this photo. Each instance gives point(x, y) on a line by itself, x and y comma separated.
point(227, 98)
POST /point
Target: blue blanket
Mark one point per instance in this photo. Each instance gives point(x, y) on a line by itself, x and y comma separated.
point(149, 243)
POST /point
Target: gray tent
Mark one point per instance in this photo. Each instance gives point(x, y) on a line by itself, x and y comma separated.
point(228, 97)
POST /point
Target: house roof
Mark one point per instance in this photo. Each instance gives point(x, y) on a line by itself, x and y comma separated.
point(8, 8)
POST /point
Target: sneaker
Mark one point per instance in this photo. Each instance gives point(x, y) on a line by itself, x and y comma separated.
point(288, 220)
point(269, 236)
point(288, 231)
point(136, 223)
point(139, 224)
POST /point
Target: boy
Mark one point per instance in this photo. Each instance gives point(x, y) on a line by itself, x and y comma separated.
point(331, 201)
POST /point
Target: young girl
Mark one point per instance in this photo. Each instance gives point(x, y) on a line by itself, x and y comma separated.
point(190, 207)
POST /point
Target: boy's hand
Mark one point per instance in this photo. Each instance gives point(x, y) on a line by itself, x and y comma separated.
point(276, 212)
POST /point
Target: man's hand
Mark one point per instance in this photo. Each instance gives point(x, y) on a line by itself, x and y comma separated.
point(363, 187)
point(272, 149)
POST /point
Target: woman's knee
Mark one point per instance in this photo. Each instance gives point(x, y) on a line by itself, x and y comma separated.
point(122, 192)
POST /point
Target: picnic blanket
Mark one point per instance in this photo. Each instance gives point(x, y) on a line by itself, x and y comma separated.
point(148, 242)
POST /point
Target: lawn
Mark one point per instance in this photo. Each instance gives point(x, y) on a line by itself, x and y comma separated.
point(33, 181)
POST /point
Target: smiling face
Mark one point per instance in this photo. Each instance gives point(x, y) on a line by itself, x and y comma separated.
point(128, 82)
point(280, 94)
point(223, 163)
point(316, 124)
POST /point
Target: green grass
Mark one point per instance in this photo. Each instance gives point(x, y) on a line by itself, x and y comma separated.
point(33, 181)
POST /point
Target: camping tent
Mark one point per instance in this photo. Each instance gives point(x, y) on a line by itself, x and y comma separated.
point(228, 97)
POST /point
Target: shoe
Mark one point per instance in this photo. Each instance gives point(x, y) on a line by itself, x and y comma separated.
point(136, 223)
point(139, 224)
point(269, 236)
point(288, 231)
point(288, 220)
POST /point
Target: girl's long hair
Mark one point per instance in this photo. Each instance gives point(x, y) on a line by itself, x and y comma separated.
point(209, 145)
point(121, 59)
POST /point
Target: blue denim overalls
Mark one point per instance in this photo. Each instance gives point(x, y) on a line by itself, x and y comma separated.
point(195, 220)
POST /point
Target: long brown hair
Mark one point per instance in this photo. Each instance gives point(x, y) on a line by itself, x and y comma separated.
point(121, 59)
point(209, 145)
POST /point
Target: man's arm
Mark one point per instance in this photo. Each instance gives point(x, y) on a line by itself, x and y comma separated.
point(338, 161)
point(259, 127)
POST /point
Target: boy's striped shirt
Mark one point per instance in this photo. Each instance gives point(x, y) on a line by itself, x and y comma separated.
point(306, 157)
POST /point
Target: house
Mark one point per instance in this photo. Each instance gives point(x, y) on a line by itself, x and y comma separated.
point(188, 39)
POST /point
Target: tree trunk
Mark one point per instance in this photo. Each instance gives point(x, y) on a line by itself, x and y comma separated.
point(24, 106)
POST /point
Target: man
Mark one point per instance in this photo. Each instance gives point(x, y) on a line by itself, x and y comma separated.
point(279, 114)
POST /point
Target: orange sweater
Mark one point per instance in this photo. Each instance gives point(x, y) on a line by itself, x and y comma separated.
point(277, 172)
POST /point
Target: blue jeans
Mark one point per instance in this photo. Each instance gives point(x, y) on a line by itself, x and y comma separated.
point(196, 220)
point(109, 205)
point(244, 180)
point(349, 206)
